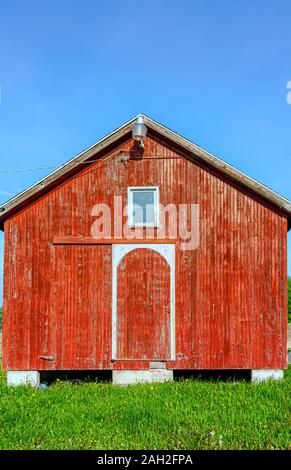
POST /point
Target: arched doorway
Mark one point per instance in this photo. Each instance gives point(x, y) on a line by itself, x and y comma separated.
point(143, 302)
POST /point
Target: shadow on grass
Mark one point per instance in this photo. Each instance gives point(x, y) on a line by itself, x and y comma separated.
point(83, 376)
point(76, 376)
point(213, 375)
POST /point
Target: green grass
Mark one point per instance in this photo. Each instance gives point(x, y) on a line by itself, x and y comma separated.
point(190, 414)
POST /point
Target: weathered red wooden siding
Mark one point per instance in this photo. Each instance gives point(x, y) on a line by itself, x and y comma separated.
point(231, 295)
point(143, 306)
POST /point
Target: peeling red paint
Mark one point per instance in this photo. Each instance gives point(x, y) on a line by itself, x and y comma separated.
point(231, 292)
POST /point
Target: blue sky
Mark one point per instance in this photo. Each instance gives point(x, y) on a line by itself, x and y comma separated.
point(216, 72)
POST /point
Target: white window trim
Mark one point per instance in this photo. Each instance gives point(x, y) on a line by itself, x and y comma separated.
point(130, 191)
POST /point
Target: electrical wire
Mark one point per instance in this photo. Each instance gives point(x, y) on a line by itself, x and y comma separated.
point(88, 162)
point(24, 170)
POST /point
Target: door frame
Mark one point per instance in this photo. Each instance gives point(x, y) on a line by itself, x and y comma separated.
point(167, 251)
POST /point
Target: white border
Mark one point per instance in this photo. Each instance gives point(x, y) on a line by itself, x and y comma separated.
point(130, 191)
point(168, 252)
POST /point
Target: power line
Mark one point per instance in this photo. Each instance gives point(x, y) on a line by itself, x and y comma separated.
point(87, 162)
point(23, 170)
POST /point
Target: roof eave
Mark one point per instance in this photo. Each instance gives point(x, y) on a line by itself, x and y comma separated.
point(237, 175)
point(74, 162)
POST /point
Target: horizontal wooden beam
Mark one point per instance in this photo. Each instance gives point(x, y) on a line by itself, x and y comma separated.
point(109, 241)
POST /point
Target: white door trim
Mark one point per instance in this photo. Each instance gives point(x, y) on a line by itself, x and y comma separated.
point(168, 252)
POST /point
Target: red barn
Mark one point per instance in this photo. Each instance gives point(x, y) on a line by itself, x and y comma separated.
point(143, 255)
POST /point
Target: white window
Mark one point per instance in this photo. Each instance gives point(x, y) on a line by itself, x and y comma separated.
point(143, 206)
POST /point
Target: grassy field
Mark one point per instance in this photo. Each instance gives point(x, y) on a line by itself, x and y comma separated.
point(188, 414)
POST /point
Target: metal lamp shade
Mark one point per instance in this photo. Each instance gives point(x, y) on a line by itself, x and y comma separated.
point(139, 130)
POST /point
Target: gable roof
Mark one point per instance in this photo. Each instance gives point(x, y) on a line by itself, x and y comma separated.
point(199, 154)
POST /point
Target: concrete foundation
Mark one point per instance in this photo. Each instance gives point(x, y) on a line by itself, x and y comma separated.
point(260, 375)
point(130, 377)
point(23, 377)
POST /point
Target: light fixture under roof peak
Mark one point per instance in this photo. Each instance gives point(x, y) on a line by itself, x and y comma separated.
point(139, 130)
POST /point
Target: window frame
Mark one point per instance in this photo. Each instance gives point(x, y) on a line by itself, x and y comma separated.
point(130, 191)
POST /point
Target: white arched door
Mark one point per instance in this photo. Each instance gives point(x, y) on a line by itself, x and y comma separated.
point(143, 302)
